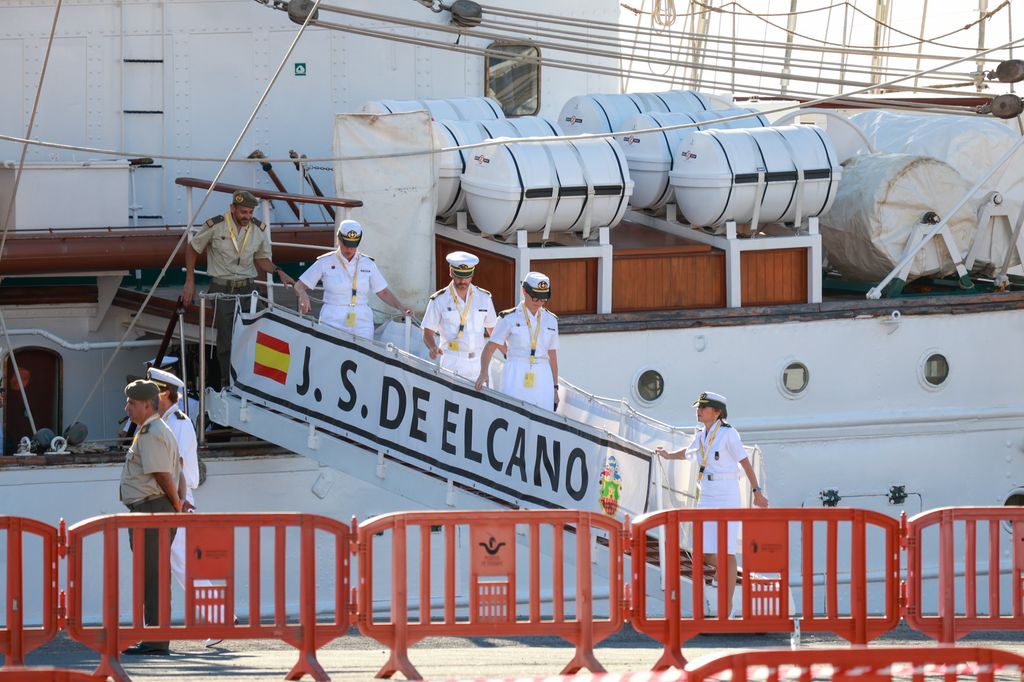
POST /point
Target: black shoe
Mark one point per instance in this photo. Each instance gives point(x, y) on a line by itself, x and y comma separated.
point(146, 649)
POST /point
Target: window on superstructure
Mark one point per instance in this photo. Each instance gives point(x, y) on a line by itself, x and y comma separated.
point(936, 369)
point(512, 73)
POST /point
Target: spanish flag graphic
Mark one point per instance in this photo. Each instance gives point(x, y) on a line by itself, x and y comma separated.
point(272, 358)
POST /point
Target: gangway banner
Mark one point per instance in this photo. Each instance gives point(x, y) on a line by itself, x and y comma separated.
point(414, 412)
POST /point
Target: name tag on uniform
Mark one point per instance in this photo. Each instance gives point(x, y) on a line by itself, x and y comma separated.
point(350, 320)
point(528, 380)
point(453, 345)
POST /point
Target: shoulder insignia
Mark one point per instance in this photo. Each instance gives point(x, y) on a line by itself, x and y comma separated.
point(551, 313)
point(214, 220)
point(259, 224)
point(326, 255)
point(437, 293)
point(144, 429)
point(727, 425)
point(363, 255)
point(503, 313)
point(180, 415)
point(481, 289)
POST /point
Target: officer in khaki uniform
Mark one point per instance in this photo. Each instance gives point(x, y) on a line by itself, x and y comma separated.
point(457, 317)
point(237, 250)
point(151, 482)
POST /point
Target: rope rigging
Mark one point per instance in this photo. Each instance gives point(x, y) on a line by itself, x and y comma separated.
point(762, 16)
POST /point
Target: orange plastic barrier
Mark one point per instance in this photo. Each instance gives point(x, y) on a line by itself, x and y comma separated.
point(484, 544)
point(15, 639)
point(770, 538)
point(958, 612)
point(858, 664)
point(46, 675)
point(211, 550)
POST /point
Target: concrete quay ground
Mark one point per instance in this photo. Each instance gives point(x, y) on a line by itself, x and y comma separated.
point(356, 658)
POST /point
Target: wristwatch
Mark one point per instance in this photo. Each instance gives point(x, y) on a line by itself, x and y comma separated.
point(756, 489)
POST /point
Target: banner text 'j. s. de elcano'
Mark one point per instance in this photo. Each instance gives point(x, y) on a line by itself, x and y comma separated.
point(356, 389)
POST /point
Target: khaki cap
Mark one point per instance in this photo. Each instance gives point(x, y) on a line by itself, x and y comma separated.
point(142, 389)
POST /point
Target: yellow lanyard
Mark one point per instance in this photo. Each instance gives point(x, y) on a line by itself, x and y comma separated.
point(234, 240)
point(705, 449)
point(534, 335)
point(354, 276)
point(465, 311)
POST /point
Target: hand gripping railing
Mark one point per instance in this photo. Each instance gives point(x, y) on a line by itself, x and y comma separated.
point(482, 568)
point(211, 578)
point(983, 554)
point(859, 664)
point(771, 540)
point(16, 640)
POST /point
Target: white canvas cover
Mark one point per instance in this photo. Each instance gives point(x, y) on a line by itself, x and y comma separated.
point(971, 145)
point(878, 210)
point(399, 195)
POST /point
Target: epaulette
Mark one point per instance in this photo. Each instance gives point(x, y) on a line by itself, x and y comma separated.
point(258, 224)
point(503, 313)
point(437, 293)
point(214, 220)
point(144, 429)
point(326, 255)
point(551, 314)
point(363, 255)
point(483, 290)
point(180, 415)
point(726, 424)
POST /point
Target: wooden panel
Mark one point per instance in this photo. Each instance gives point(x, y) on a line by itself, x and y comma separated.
point(774, 277)
point(667, 281)
point(573, 285)
point(495, 273)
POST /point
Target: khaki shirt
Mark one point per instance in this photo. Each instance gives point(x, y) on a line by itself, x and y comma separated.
point(153, 450)
point(223, 258)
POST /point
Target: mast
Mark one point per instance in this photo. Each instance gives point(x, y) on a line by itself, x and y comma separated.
point(979, 81)
point(790, 31)
point(883, 12)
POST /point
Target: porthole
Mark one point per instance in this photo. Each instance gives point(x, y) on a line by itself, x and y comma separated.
point(1014, 499)
point(649, 386)
point(795, 378)
point(936, 369)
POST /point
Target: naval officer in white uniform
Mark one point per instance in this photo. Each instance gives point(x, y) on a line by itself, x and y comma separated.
point(531, 333)
point(188, 451)
point(719, 454)
point(457, 317)
point(348, 276)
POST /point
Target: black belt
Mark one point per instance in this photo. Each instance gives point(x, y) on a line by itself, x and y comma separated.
point(133, 505)
point(232, 284)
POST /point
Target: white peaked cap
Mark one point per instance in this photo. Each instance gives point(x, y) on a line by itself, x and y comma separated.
point(164, 378)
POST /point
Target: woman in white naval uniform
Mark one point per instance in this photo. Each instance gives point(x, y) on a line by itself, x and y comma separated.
point(531, 333)
point(457, 317)
point(720, 456)
point(348, 276)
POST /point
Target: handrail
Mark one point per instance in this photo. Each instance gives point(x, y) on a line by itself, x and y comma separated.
point(196, 183)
